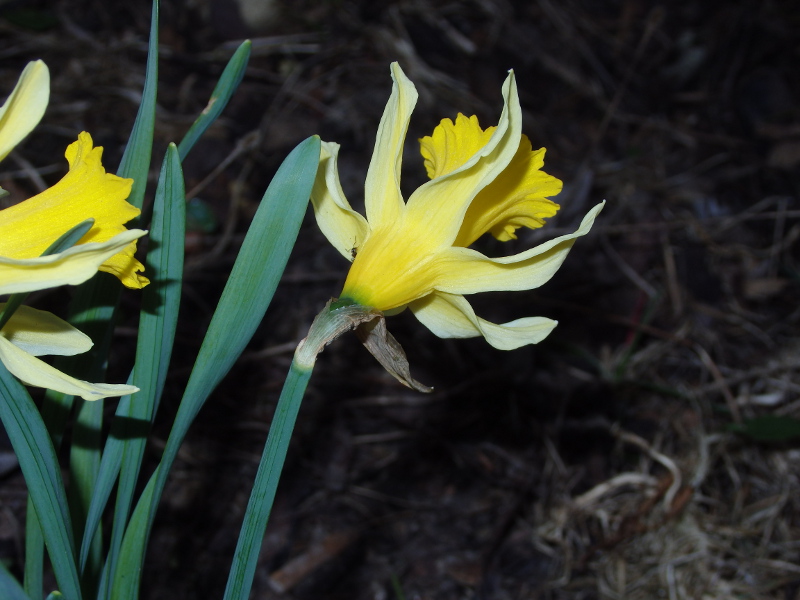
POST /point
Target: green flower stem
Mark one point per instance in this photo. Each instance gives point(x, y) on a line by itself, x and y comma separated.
point(240, 578)
point(336, 318)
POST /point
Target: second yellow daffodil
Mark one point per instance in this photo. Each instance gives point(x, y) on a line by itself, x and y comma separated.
point(29, 228)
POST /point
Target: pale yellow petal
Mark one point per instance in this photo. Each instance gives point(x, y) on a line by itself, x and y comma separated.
point(451, 316)
point(466, 271)
point(27, 229)
point(518, 197)
point(436, 210)
point(382, 198)
point(345, 229)
point(399, 262)
point(32, 371)
point(42, 333)
point(452, 144)
point(71, 267)
point(25, 107)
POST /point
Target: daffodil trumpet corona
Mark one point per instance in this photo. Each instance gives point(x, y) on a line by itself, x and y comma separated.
point(29, 228)
point(416, 253)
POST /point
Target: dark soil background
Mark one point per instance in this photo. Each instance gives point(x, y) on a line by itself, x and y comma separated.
point(602, 463)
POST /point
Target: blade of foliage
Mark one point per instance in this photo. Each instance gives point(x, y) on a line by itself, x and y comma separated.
point(240, 578)
point(84, 461)
point(228, 82)
point(157, 323)
point(34, 553)
point(157, 326)
point(54, 419)
point(135, 161)
point(39, 464)
point(10, 589)
point(244, 301)
point(106, 479)
point(70, 238)
point(95, 303)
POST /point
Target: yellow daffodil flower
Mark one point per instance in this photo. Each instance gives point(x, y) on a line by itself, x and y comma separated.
point(415, 254)
point(29, 228)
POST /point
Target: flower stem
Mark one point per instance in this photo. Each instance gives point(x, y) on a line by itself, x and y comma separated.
point(240, 578)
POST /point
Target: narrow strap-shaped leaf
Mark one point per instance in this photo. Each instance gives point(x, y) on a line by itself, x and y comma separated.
point(135, 161)
point(125, 584)
point(55, 410)
point(157, 326)
point(244, 301)
point(70, 238)
point(240, 577)
point(34, 553)
point(37, 459)
point(228, 82)
point(10, 589)
point(157, 323)
point(95, 302)
point(106, 478)
point(84, 461)
point(54, 416)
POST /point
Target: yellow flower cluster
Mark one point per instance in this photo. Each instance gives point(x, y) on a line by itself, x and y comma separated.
point(29, 228)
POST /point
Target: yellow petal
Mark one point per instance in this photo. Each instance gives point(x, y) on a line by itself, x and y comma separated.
point(25, 107)
point(467, 271)
point(27, 229)
point(436, 209)
point(451, 316)
point(71, 267)
point(382, 198)
point(345, 229)
point(41, 333)
point(399, 262)
point(32, 371)
point(452, 144)
point(392, 268)
point(518, 197)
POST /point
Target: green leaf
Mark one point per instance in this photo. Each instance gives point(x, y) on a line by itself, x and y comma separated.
point(93, 311)
point(769, 428)
point(135, 161)
point(10, 589)
point(84, 461)
point(34, 553)
point(70, 238)
point(37, 459)
point(106, 480)
point(228, 82)
point(244, 301)
point(94, 303)
point(157, 325)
